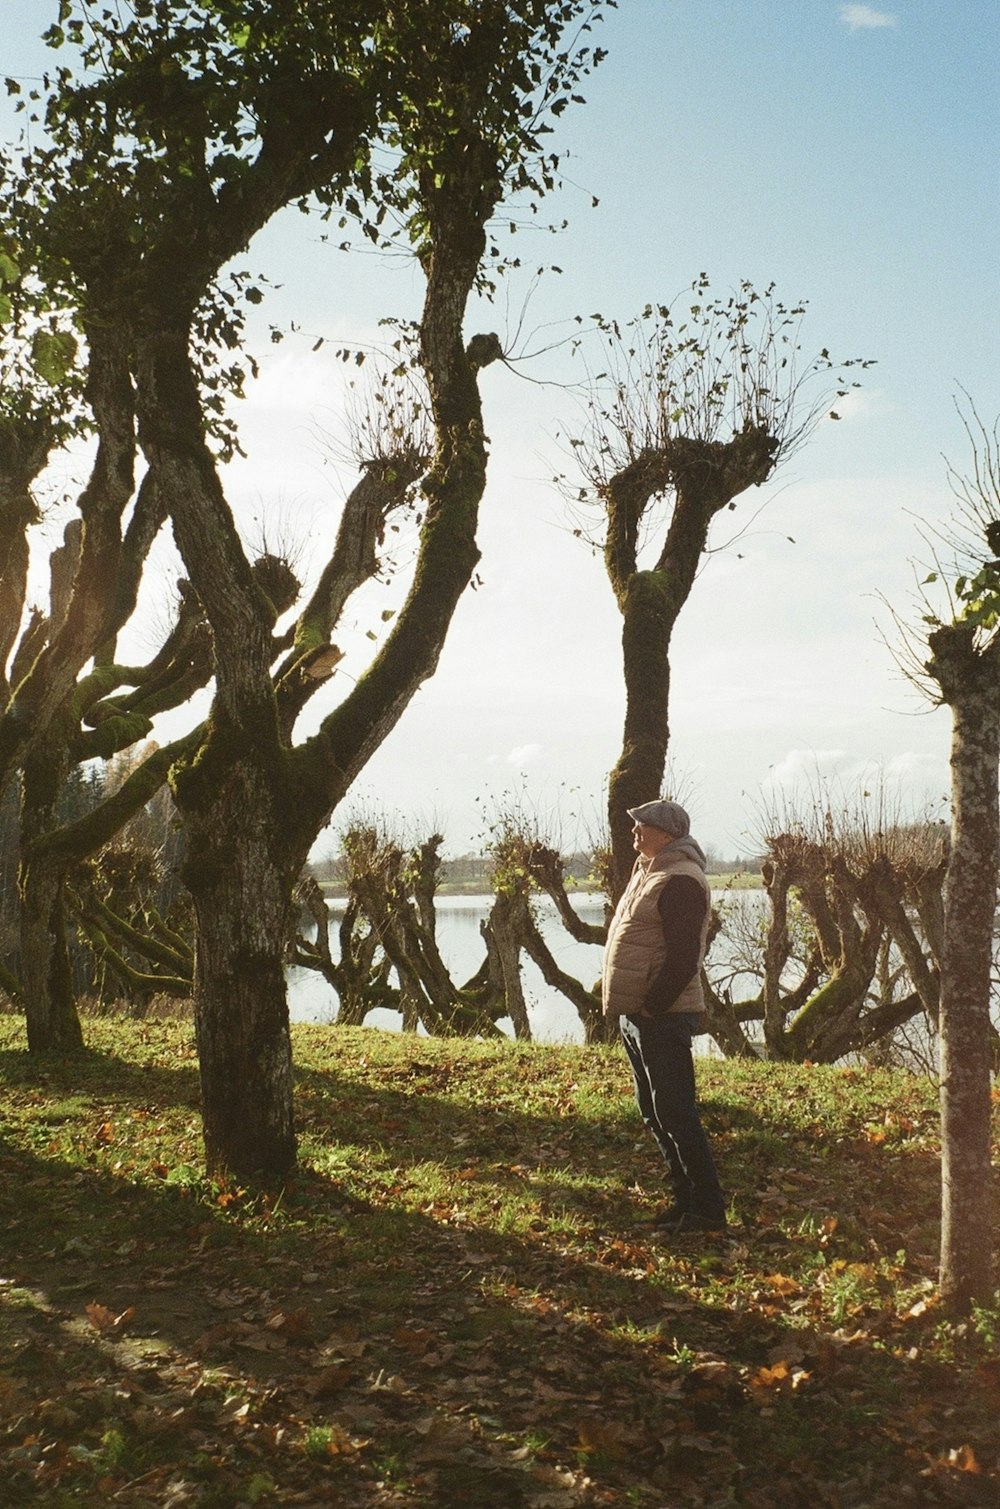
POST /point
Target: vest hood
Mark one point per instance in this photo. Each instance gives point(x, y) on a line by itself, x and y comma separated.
point(686, 848)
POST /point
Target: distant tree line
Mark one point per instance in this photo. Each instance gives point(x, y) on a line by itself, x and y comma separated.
point(473, 872)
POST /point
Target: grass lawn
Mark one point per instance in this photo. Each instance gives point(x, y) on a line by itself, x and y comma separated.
point(457, 1303)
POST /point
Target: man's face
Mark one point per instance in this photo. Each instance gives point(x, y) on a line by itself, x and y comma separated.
point(648, 841)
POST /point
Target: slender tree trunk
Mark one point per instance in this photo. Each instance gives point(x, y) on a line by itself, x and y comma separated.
point(776, 950)
point(970, 899)
point(705, 476)
point(505, 929)
point(638, 773)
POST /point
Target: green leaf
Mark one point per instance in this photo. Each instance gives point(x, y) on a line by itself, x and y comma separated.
point(52, 354)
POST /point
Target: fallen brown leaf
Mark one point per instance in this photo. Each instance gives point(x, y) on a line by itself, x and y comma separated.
point(105, 1320)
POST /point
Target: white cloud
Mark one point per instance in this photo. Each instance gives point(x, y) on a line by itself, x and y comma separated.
point(811, 769)
point(525, 754)
point(810, 779)
point(926, 775)
point(862, 404)
point(864, 18)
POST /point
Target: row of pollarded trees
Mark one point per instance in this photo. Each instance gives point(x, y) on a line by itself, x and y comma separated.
point(120, 329)
point(712, 429)
point(855, 943)
point(840, 950)
point(187, 129)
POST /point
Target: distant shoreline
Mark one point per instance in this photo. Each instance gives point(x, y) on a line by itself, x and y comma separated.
point(735, 880)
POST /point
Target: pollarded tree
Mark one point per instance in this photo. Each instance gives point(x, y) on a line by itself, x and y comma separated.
point(49, 695)
point(848, 949)
point(388, 953)
point(201, 122)
point(962, 671)
point(695, 405)
point(112, 710)
point(465, 127)
point(50, 849)
point(38, 396)
point(68, 287)
point(68, 700)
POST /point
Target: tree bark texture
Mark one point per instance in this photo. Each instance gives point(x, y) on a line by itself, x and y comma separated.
point(970, 898)
point(242, 898)
point(52, 1021)
point(242, 856)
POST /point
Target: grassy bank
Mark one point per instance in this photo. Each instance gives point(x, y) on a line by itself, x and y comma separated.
point(457, 1302)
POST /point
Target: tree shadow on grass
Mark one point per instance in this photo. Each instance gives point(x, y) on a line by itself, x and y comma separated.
point(349, 1337)
point(97, 1072)
point(485, 1368)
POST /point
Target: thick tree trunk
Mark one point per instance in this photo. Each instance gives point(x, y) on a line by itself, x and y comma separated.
point(53, 1024)
point(970, 899)
point(242, 901)
point(233, 796)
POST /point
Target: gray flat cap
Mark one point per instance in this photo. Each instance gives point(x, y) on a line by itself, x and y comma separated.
point(669, 816)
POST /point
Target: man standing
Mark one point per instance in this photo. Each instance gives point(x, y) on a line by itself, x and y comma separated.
point(652, 983)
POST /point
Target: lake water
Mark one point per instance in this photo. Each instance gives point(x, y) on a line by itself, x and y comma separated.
point(553, 1018)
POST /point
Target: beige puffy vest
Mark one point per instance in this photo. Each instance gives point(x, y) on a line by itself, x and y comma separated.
point(635, 948)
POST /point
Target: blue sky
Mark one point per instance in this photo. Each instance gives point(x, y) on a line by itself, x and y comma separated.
point(846, 152)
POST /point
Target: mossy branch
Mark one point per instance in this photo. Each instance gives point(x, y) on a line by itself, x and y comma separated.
point(94, 913)
point(76, 840)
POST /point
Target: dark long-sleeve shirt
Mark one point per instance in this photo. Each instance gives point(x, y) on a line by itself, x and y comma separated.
point(681, 905)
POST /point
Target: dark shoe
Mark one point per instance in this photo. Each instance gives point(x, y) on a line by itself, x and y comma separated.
point(688, 1223)
point(670, 1219)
